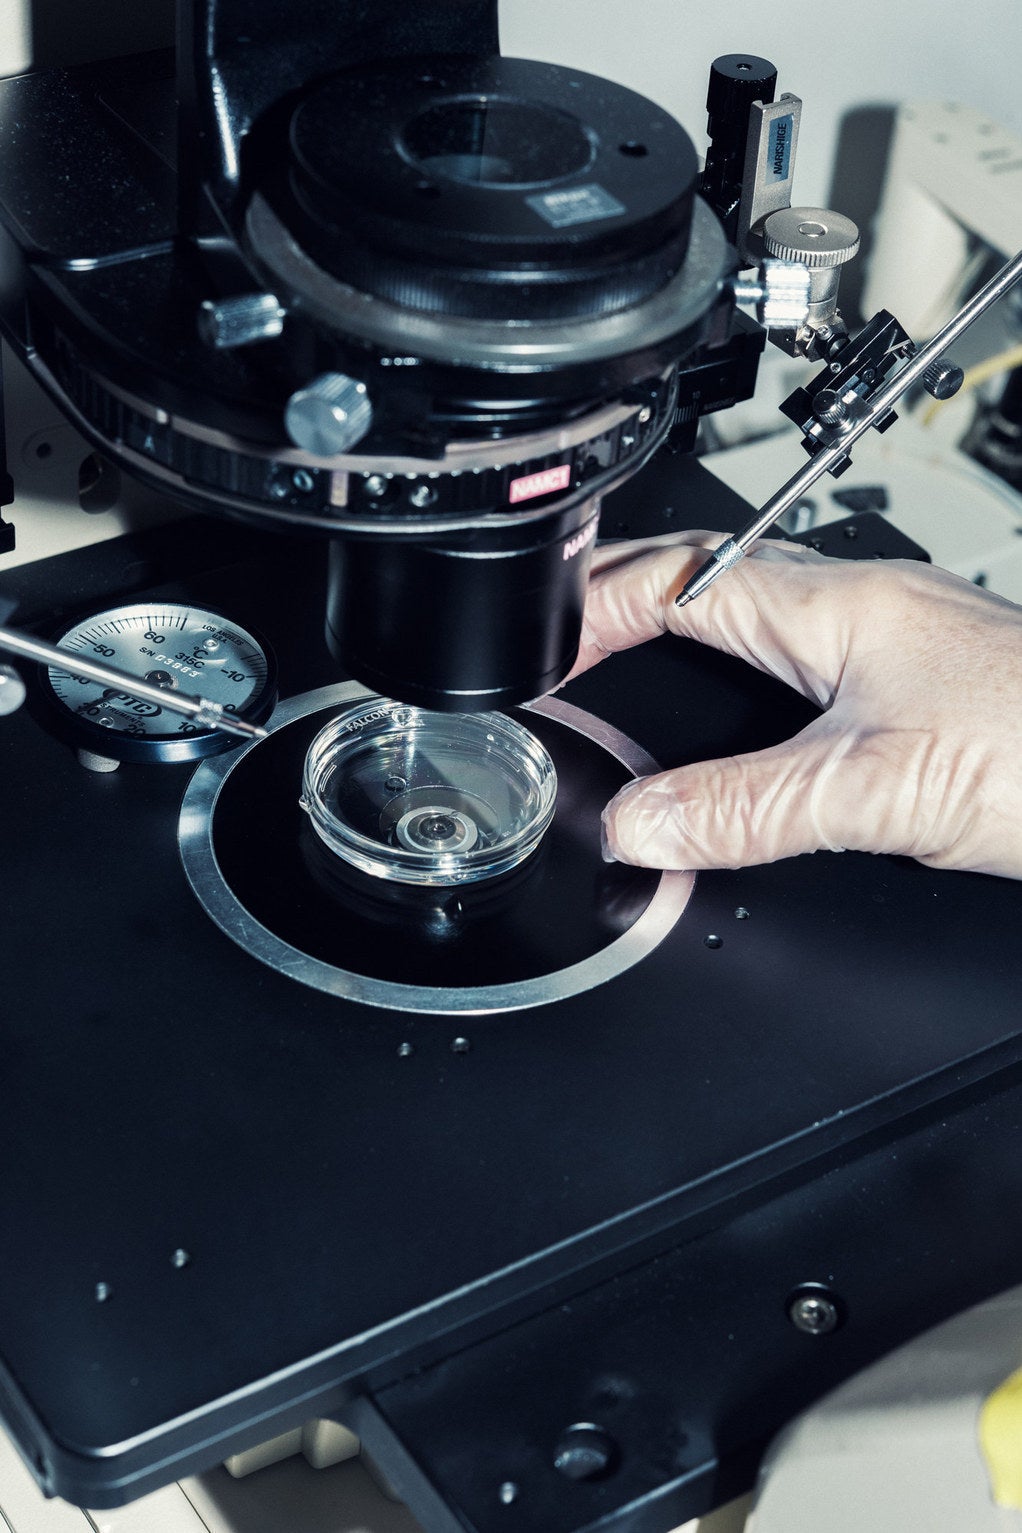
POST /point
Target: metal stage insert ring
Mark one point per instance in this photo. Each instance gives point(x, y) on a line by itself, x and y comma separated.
point(226, 909)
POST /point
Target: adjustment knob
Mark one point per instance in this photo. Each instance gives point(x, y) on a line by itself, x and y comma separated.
point(736, 81)
point(329, 415)
point(829, 408)
point(225, 323)
point(942, 378)
point(779, 293)
point(815, 236)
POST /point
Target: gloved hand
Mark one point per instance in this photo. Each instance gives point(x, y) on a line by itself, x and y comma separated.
point(920, 673)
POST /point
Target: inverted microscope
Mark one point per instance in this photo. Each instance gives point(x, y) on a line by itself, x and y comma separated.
point(344, 1078)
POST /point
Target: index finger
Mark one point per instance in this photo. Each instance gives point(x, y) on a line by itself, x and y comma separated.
point(784, 608)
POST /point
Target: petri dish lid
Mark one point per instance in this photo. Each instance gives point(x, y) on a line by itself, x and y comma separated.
point(428, 798)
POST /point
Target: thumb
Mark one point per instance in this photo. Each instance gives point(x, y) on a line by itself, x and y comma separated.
point(738, 811)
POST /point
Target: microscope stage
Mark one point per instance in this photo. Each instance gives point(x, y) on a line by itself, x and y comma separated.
point(232, 1201)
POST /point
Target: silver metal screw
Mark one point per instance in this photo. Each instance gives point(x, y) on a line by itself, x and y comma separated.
point(815, 1314)
point(508, 1492)
point(180, 1258)
point(422, 496)
point(103, 1292)
point(585, 1452)
point(375, 486)
point(829, 408)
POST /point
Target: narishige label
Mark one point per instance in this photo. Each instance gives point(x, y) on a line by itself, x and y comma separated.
point(543, 483)
point(581, 540)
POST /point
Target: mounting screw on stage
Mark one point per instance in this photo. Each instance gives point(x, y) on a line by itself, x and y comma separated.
point(421, 496)
point(585, 1452)
point(814, 1310)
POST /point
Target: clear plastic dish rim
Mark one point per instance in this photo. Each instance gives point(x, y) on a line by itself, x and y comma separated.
point(398, 864)
point(225, 909)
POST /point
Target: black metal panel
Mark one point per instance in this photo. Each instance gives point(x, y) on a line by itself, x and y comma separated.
point(64, 132)
point(687, 1365)
point(237, 58)
point(349, 1211)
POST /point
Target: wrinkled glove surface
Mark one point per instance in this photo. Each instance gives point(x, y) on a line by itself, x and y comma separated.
point(919, 750)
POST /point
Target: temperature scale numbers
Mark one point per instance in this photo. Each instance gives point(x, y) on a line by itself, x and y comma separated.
point(179, 648)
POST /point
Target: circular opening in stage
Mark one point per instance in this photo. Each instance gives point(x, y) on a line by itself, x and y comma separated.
point(428, 798)
point(494, 142)
point(560, 923)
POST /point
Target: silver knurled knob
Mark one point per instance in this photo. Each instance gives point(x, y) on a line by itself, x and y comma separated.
point(943, 378)
point(779, 292)
point(815, 236)
point(329, 415)
point(225, 323)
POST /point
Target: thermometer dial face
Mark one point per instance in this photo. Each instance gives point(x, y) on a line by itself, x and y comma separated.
point(179, 648)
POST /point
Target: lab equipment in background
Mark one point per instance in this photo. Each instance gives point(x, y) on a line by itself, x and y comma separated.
point(952, 193)
point(952, 197)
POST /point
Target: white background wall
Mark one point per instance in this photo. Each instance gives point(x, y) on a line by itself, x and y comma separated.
point(835, 56)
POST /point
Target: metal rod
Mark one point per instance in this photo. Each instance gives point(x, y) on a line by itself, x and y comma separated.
point(876, 406)
point(205, 712)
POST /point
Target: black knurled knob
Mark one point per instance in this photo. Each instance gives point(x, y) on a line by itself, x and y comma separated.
point(736, 81)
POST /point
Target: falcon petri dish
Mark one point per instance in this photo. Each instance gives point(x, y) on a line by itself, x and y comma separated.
point(428, 798)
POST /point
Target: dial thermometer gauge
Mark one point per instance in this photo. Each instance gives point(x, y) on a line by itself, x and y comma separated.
point(180, 648)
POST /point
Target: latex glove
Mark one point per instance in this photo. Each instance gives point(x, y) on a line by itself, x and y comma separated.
point(920, 673)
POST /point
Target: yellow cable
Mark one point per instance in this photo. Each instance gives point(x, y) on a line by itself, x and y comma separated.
point(1003, 362)
point(1000, 1440)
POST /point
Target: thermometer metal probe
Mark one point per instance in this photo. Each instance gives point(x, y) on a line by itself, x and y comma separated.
point(201, 710)
point(872, 409)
